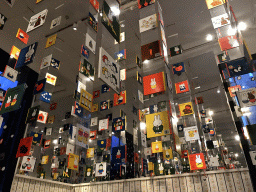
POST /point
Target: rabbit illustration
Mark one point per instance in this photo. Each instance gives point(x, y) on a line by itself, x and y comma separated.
point(8, 102)
point(1, 20)
point(75, 163)
point(233, 42)
point(167, 155)
point(118, 154)
point(199, 162)
point(34, 112)
point(161, 168)
point(157, 147)
point(30, 53)
point(177, 50)
point(91, 152)
point(155, 108)
point(182, 87)
point(153, 83)
point(157, 125)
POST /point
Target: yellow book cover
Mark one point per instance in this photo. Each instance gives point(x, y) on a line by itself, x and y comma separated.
point(157, 124)
point(51, 41)
point(90, 153)
point(186, 109)
point(157, 147)
point(73, 161)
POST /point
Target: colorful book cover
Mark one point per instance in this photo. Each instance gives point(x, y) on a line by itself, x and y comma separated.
point(39, 86)
point(51, 41)
point(15, 52)
point(220, 21)
point(228, 42)
point(120, 99)
point(55, 22)
point(55, 63)
point(45, 160)
point(28, 163)
point(51, 79)
point(4, 19)
point(176, 50)
point(42, 117)
point(26, 55)
point(101, 169)
point(151, 50)
point(86, 69)
point(45, 97)
point(145, 3)
point(186, 109)
point(90, 153)
point(13, 99)
point(200, 100)
point(82, 136)
point(191, 133)
point(148, 23)
point(73, 161)
point(37, 20)
point(21, 35)
point(223, 57)
point(46, 62)
point(96, 94)
point(47, 144)
point(121, 55)
point(232, 90)
point(154, 83)
point(93, 22)
point(93, 135)
point(110, 21)
point(32, 114)
point(182, 87)
point(118, 124)
point(24, 147)
point(37, 138)
point(103, 124)
point(213, 3)
point(197, 161)
point(157, 147)
point(247, 97)
point(104, 105)
point(157, 124)
point(118, 155)
point(86, 100)
point(95, 4)
point(178, 68)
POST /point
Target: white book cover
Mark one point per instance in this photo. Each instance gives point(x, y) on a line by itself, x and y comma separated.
point(220, 21)
point(10, 73)
point(55, 22)
point(46, 62)
point(90, 43)
point(37, 20)
point(148, 23)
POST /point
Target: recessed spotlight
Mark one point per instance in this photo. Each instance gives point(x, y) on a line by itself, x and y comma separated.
point(146, 61)
point(209, 37)
point(75, 26)
point(237, 137)
point(142, 125)
point(218, 91)
point(101, 14)
point(236, 155)
point(211, 113)
point(231, 31)
point(242, 26)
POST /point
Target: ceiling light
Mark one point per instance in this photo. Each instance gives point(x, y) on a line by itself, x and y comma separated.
point(242, 26)
point(101, 14)
point(115, 10)
point(75, 26)
point(198, 87)
point(209, 37)
point(231, 31)
point(218, 91)
point(138, 151)
point(146, 61)
point(55, 141)
point(90, 140)
point(236, 155)
point(122, 25)
point(142, 125)
point(113, 133)
point(237, 137)
point(211, 113)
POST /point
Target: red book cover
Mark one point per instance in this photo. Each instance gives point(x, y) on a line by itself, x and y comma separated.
point(154, 83)
point(24, 147)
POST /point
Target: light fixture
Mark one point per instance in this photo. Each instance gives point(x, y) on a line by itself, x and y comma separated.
point(242, 26)
point(175, 119)
point(115, 10)
point(138, 151)
point(75, 26)
point(211, 113)
point(142, 125)
point(113, 133)
point(55, 141)
point(90, 140)
point(237, 137)
point(146, 61)
point(101, 14)
point(231, 31)
point(236, 155)
point(218, 91)
point(209, 37)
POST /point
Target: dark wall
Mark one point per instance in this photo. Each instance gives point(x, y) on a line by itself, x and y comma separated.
point(16, 126)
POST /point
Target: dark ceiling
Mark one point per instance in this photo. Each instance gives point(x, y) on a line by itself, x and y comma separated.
point(187, 23)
